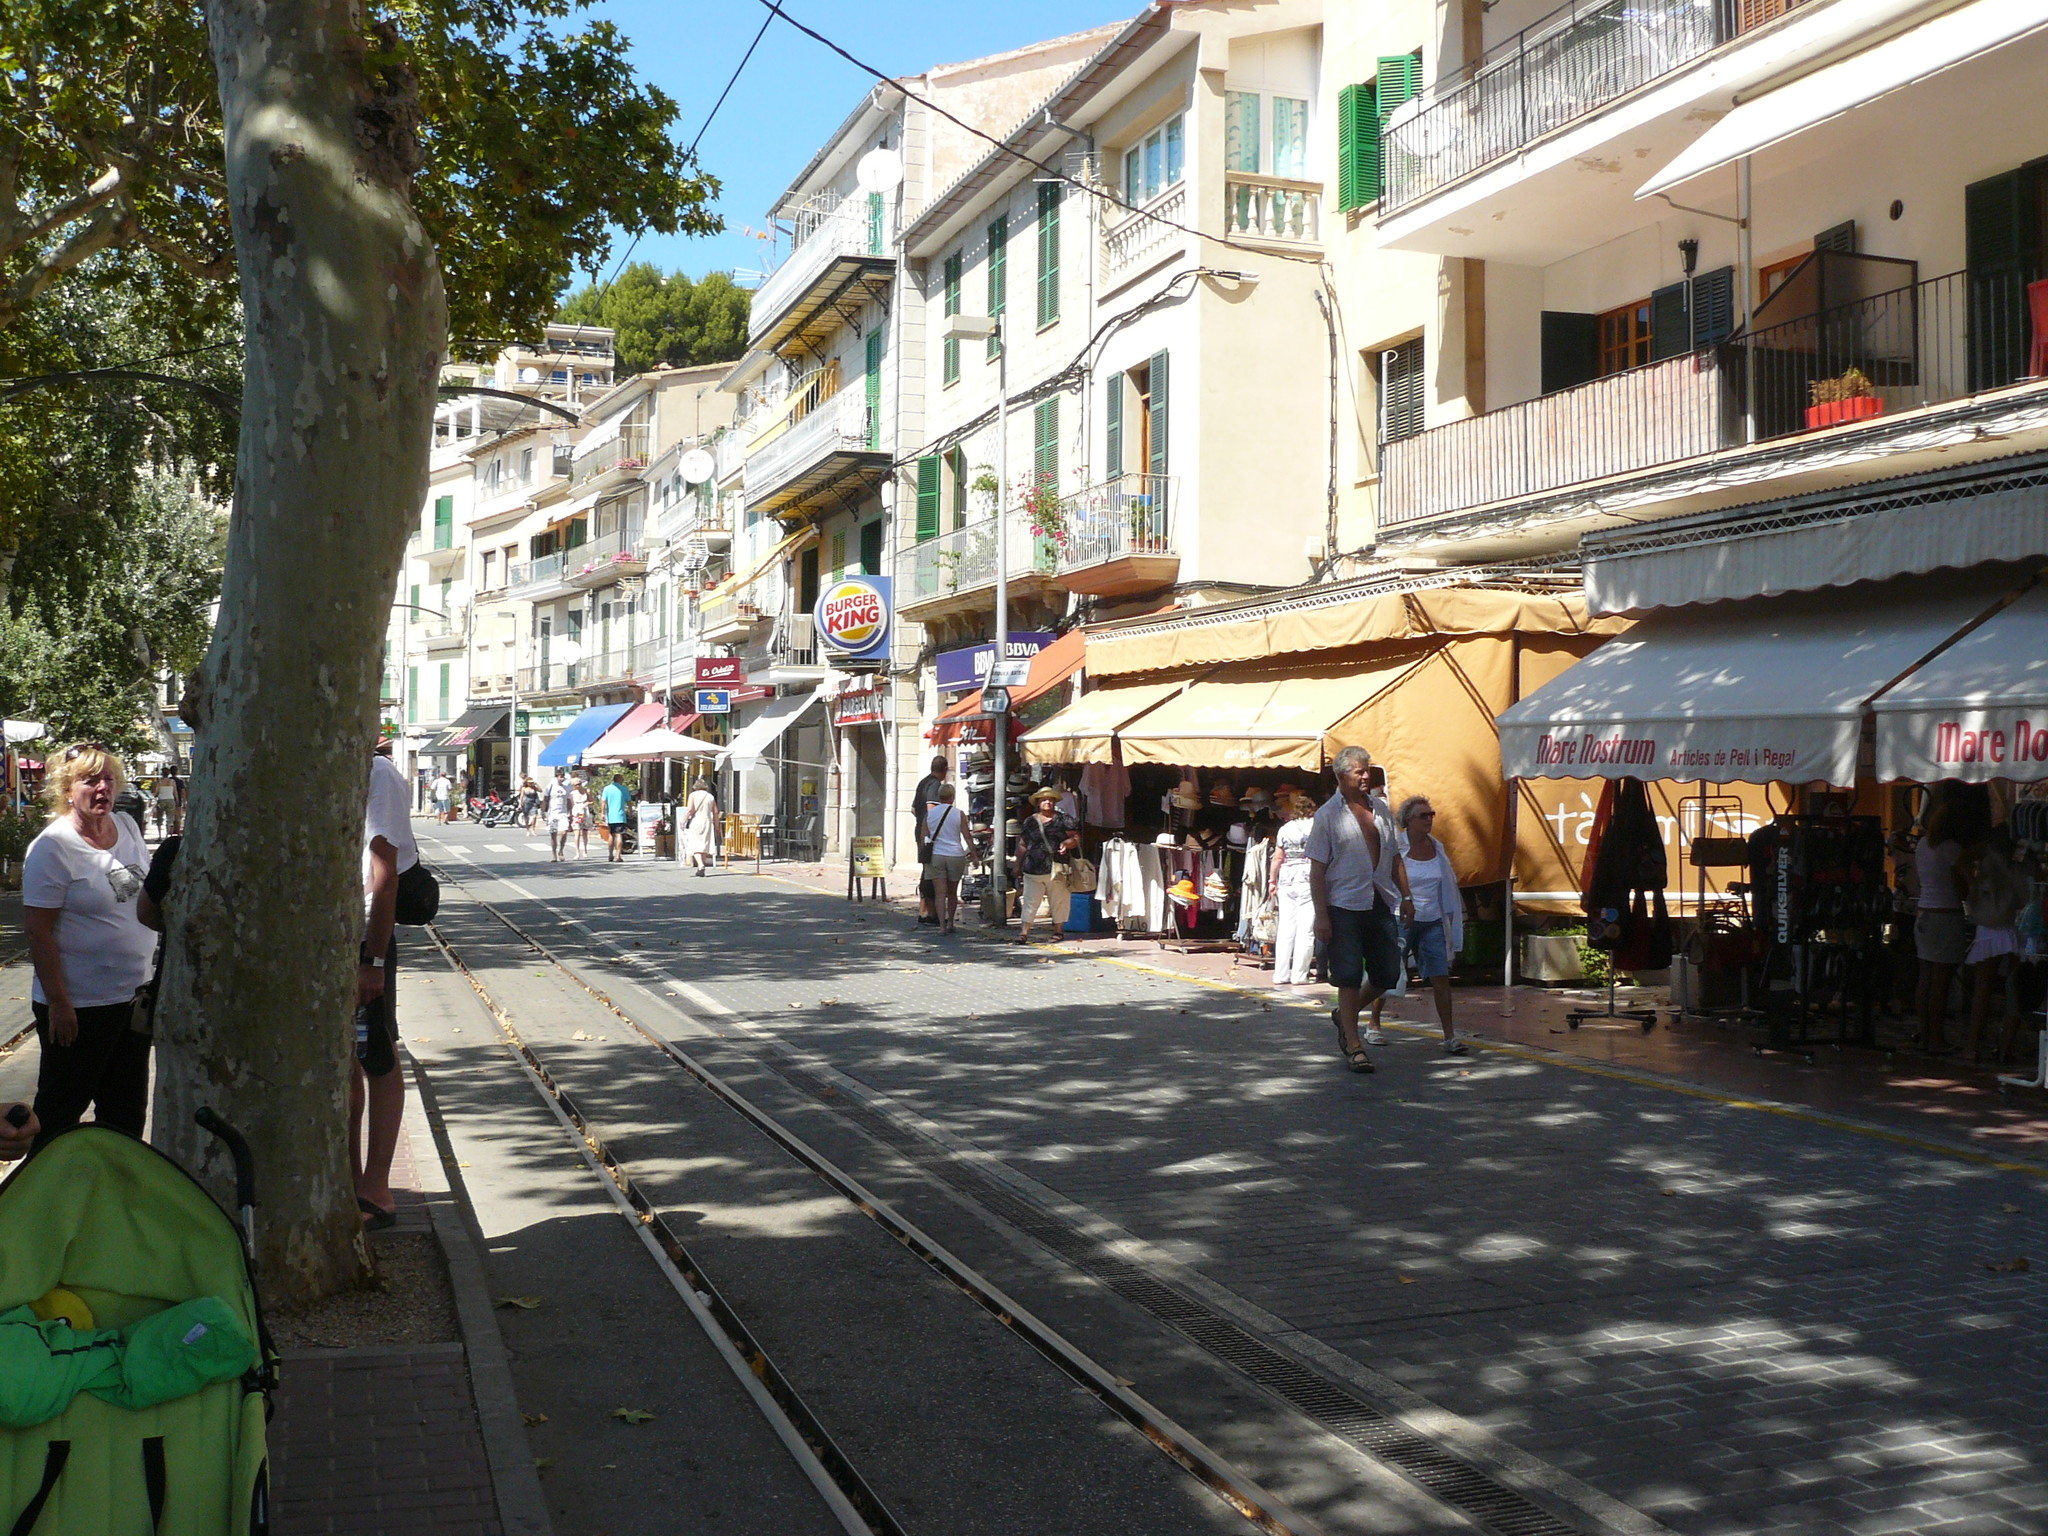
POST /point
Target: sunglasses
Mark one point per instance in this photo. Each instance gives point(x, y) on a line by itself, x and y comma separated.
point(72, 754)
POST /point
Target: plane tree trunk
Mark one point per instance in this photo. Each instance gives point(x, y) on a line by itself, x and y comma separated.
point(346, 327)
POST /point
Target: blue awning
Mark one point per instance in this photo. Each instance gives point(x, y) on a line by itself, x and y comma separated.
point(566, 750)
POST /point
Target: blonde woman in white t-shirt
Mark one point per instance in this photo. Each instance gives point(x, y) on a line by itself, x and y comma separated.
point(80, 881)
point(1435, 930)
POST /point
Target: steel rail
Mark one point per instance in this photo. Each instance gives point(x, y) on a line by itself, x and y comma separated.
point(1263, 1510)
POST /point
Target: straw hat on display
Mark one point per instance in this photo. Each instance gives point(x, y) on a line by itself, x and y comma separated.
point(1220, 793)
point(1183, 891)
point(1188, 796)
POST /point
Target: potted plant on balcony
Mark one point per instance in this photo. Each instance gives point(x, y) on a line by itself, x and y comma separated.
point(1849, 396)
point(1044, 510)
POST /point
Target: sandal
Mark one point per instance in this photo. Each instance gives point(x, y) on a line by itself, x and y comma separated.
point(1359, 1061)
point(375, 1217)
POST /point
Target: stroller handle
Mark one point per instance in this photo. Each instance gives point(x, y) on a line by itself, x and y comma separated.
point(238, 1148)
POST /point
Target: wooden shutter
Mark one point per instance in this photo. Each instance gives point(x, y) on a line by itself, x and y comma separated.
point(807, 579)
point(1358, 147)
point(1713, 307)
point(998, 275)
point(1157, 434)
point(874, 224)
point(1045, 442)
point(871, 548)
point(1398, 79)
point(444, 521)
point(1401, 394)
point(927, 497)
point(1571, 349)
point(412, 694)
point(1837, 237)
point(443, 715)
point(951, 345)
point(1670, 323)
point(839, 554)
point(1048, 252)
point(874, 388)
point(1113, 426)
point(1999, 241)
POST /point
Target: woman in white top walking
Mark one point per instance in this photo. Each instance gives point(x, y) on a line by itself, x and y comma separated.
point(579, 816)
point(1436, 928)
point(945, 857)
point(700, 827)
point(90, 952)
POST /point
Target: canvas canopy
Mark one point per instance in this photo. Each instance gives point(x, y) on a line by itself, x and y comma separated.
point(1977, 711)
point(1085, 732)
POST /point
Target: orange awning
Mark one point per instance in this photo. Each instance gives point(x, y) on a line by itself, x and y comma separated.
point(1049, 668)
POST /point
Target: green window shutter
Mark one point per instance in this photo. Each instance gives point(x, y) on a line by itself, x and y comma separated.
point(413, 614)
point(1398, 79)
point(1048, 252)
point(871, 547)
point(927, 497)
point(874, 389)
point(2000, 239)
point(1157, 465)
point(443, 715)
point(1713, 307)
point(956, 467)
point(1045, 442)
point(998, 275)
point(839, 554)
point(1570, 343)
point(874, 223)
point(951, 344)
point(444, 521)
point(1113, 426)
point(412, 695)
point(1670, 323)
point(1358, 146)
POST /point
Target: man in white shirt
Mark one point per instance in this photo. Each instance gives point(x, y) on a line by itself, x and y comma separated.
point(376, 1083)
point(441, 790)
point(556, 803)
point(1360, 889)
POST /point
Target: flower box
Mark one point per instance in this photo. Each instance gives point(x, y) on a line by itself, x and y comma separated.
point(1833, 413)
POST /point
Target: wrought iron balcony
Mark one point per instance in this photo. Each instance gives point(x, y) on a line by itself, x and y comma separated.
point(841, 253)
point(543, 576)
point(837, 444)
point(956, 571)
point(606, 558)
point(1117, 537)
point(625, 452)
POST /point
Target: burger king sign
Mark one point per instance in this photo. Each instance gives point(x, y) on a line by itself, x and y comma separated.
point(853, 617)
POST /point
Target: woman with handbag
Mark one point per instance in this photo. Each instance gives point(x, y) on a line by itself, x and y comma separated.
point(1043, 847)
point(1436, 930)
point(944, 842)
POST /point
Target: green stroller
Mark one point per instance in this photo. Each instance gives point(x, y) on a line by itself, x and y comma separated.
point(107, 1240)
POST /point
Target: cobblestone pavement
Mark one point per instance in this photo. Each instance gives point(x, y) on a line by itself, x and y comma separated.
point(1733, 1321)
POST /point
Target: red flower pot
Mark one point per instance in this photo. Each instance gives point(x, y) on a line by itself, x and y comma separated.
point(1835, 412)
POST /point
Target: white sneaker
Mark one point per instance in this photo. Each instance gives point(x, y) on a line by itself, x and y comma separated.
point(1375, 1037)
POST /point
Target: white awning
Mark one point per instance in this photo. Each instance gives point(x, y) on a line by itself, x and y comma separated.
point(1977, 711)
point(776, 716)
point(1768, 690)
point(1925, 50)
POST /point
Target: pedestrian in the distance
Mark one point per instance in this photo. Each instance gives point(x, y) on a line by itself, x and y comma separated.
point(616, 799)
point(440, 791)
point(1359, 884)
point(1043, 845)
point(559, 810)
point(921, 800)
point(579, 815)
point(944, 840)
point(700, 827)
point(1941, 933)
point(1436, 930)
point(91, 954)
point(529, 802)
point(1294, 920)
point(166, 795)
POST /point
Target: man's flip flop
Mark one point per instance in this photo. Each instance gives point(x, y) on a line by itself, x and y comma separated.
point(375, 1217)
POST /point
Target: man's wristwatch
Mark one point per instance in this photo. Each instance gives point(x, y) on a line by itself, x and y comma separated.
point(376, 960)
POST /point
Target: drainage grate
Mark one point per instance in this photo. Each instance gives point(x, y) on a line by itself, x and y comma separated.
point(1497, 1508)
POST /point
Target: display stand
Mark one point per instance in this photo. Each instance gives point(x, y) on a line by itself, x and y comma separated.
point(865, 862)
point(1820, 906)
point(1647, 1017)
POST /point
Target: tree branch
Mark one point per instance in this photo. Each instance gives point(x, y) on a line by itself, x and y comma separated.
point(105, 228)
point(105, 189)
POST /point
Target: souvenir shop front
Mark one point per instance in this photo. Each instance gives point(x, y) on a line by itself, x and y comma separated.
point(1855, 711)
point(1201, 738)
point(968, 735)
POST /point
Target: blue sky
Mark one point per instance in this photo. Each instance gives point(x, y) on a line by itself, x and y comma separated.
point(794, 91)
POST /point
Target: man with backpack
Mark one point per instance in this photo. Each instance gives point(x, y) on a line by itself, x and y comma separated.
point(376, 1085)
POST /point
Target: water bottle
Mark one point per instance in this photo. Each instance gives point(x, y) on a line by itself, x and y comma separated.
point(362, 1031)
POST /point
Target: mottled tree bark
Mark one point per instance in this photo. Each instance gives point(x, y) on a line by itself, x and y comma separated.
point(346, 327)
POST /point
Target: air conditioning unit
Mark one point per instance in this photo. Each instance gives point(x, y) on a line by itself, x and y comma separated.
point(801, 636)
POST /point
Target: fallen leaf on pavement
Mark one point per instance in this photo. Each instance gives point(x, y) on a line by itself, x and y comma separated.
point(631, 1415)
point(534, 1418)
point(1125, 1381)
point(1667, 1191)
point(579, 1035)
point(542, 1463)
point(1405, 1279)
point(2009, 1209)
point(523, 1303)
point(2008, 1266)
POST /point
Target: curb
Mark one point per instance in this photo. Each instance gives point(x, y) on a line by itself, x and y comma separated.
point(522, 1507)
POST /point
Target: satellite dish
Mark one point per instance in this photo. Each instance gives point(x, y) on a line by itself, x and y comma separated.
point(568, 652)
point(529, 375)
point(879, 170)
point(696, 466)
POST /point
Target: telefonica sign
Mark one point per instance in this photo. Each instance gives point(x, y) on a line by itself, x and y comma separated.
point(853, 617)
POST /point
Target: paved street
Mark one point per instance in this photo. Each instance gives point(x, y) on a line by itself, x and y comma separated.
point(1729, 1321)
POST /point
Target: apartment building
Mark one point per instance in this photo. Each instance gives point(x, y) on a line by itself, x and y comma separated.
point(831, 399)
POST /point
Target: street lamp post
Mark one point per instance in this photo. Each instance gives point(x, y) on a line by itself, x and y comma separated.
point(958, 328)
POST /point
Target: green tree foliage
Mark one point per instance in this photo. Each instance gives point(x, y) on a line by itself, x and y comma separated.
point(537, 140)
point(670, 321)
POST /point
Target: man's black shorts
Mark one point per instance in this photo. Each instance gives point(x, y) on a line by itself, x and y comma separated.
point(1364, 945)
point(379, 1053)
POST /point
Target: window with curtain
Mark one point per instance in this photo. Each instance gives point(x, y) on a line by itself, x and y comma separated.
point(1241, 131)
point(1155, 162)
point(1290, 137)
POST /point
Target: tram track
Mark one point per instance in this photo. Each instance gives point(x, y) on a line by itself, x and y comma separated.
point(1503, 1501)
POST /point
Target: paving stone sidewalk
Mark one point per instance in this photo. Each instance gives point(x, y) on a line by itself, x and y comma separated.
point(1734, 1321)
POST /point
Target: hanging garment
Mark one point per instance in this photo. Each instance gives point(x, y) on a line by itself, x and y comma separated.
point(1105, 787)
point(1294, 937)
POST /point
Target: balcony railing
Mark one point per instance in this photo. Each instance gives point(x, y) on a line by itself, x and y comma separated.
point(628, 450)
point(1562, 68)
point(719, 614)
point(840, 423)
point(1647, 416)
point(1125, 515)
point(454, 626)
point(965, 560)
point(543, 570)
point(1915, 345)
point(1135, 244)
point(1272, 208)
point(549, 678)
point(624, 550)
point(824, 232)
